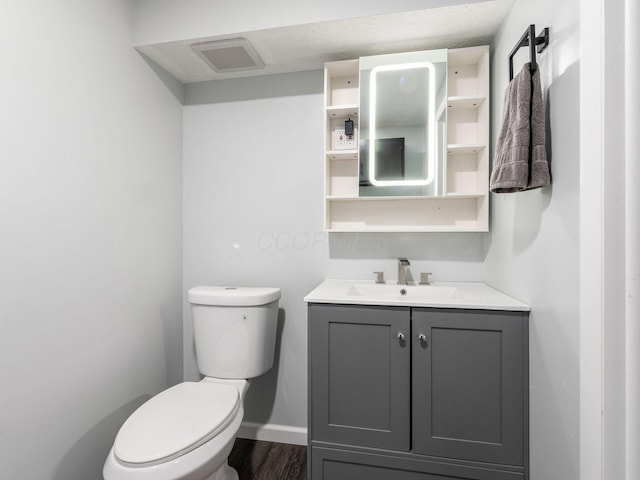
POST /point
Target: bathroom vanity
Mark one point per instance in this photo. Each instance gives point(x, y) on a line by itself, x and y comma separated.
point(417, 382)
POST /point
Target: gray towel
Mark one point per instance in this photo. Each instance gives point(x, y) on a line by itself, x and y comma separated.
point(520, 162)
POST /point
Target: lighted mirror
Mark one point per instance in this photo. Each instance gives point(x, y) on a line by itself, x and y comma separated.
point(403, 124)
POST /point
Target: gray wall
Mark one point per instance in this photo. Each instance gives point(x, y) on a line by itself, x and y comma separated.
point(90, 212)
point(533, 249)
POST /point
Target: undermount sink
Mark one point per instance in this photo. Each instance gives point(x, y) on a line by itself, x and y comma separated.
point(438, 294)
point(403, 292)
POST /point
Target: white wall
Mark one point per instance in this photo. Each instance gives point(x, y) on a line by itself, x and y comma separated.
point(253, 187)
point(609, 333)
point(533, 249)
point(250, 218)
point(632, 232)
point(90, 249)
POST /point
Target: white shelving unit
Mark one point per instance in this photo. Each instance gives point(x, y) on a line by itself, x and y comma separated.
point(468, 129)
point(342, 98)
point(465, 206)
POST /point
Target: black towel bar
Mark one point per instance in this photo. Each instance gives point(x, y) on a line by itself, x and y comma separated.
point(542, 41)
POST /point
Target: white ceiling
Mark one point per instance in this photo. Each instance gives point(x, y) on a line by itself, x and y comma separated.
point(309, 46)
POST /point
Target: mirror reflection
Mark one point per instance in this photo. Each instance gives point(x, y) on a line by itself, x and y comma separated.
point(403, 124)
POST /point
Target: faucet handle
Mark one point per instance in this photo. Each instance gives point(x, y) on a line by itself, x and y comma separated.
point(379, 277)
point(424, 278)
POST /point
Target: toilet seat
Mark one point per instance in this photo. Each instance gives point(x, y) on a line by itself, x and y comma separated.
point(174, 422)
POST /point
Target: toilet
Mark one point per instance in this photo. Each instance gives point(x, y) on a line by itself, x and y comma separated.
point(187, 431)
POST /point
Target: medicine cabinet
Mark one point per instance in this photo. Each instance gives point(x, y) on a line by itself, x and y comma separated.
point(402, 124)
point(459, 199)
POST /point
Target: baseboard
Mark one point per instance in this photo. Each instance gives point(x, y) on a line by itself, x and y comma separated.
point(273, 433)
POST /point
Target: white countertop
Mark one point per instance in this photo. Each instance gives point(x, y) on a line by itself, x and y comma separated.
point(437, 294)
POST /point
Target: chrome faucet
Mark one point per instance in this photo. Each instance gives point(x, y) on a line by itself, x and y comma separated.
point(403, 264)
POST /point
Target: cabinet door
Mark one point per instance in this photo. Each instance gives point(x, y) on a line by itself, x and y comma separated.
point(360, 375)
point(469, 385)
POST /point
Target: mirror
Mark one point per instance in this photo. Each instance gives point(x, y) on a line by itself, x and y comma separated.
point(403, 114)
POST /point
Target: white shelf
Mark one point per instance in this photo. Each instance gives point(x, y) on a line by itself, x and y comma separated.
point(465, 195)
point(412, 229)
point(406, 214)
point(352, 198)
point(342, 111)
point(468, 102)
point(464, 149)
point(342, 198)
point(342, 154)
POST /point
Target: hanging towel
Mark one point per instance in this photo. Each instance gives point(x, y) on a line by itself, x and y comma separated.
point(520, 162)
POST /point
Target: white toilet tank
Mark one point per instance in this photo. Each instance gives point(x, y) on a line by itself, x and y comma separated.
point(234, 330)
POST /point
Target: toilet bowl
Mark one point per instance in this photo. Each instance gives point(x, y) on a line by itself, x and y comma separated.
point(194, 432)
point(187, 431)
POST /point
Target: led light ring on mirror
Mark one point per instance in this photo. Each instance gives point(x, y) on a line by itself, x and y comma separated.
point(431, 147)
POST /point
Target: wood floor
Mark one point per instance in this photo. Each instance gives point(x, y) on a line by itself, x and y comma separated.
point(255, 460)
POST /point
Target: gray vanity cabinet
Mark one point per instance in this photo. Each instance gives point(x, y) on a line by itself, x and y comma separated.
point(406, 393)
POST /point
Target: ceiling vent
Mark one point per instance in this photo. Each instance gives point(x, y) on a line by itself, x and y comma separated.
point(232, 55)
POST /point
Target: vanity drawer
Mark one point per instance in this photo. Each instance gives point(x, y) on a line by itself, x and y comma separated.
point(334, 464)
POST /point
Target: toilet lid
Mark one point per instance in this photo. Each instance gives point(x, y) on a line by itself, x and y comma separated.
point(175, 422)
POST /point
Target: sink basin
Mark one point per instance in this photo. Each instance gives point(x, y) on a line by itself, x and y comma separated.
point(403, 292)
point(438, 294)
